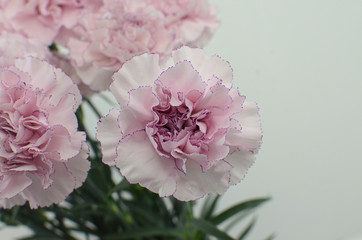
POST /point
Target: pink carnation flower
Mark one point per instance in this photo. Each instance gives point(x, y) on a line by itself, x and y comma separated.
point(43, 18)
point(43, 157)
point(182, 130)
point(101, 42)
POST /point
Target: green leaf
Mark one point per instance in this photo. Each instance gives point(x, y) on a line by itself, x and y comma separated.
point(247, 230)
point(139, 233)
point(238, 208)
point(209, 229)
point(209, 206)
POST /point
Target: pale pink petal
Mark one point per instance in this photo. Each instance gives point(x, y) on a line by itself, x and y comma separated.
point(139, 163)
point(63, 113)
point(63, 184)
point(66, 145)
point(49, 79)
point(196, 183)
point(182, 78)
point(240, 161)
point(250, 136)
point(141, 71)
point(12, 184)
point(206, 66)
point(109, 134)
point(139, 110)
point(96, 78)
point(79, 165)
point(11, 202)
point(218, 97)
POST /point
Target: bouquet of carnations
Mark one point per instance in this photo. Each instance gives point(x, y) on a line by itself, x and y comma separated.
point(177, 131)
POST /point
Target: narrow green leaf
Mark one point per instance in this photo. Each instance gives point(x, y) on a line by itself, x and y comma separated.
point(209, 206)
point(247, 230)
point(209, 229)
point(139, 233)
point(243, 206)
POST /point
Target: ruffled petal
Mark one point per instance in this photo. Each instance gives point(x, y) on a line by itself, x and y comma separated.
point(143, 70)
point(51, 80)
point(79, 165)
point(240, 161)
point(139, 162)
point(196, 184)
point(250, 136)
point(207, 66)
point(8, 203)
point(138, 111)
point(182, 78)
point(109, 134)
point(63, 113)
point(63, 184)
point(66, 145)
point(11, 185)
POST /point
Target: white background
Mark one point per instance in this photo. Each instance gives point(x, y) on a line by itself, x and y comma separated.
point(301, 60)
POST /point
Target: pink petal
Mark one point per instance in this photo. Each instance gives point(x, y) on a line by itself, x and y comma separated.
point(63, 113)
point(108, 134)
point(79, 165)
point(52, 80)
point(250, 136)
point(217, 98)
point(141, 70)
point(13, 184)
point(139, 162)
point(8, 203)
point(63, 185)
point(182, 78)
point(241, 161)
point(96, 78)
point(65, 144)
point(196, 184)
point(9, 78)
point(138, 111)
point(207, 66)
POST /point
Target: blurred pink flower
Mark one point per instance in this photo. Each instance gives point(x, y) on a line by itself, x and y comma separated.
point(193, 21)
point(182, 129)
point(43, 18)
point(102, 41)
point(43, 157)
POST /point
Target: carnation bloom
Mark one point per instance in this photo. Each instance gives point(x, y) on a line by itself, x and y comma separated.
point(102, 41)
point(182, 129)
point(43, 157)
point(43, 18)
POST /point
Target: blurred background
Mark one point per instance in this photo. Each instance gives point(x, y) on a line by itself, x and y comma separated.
point(301, 61)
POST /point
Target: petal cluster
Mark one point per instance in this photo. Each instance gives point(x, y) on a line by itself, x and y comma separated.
point(182, 129)
point(43, 157)
point(102, 41)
